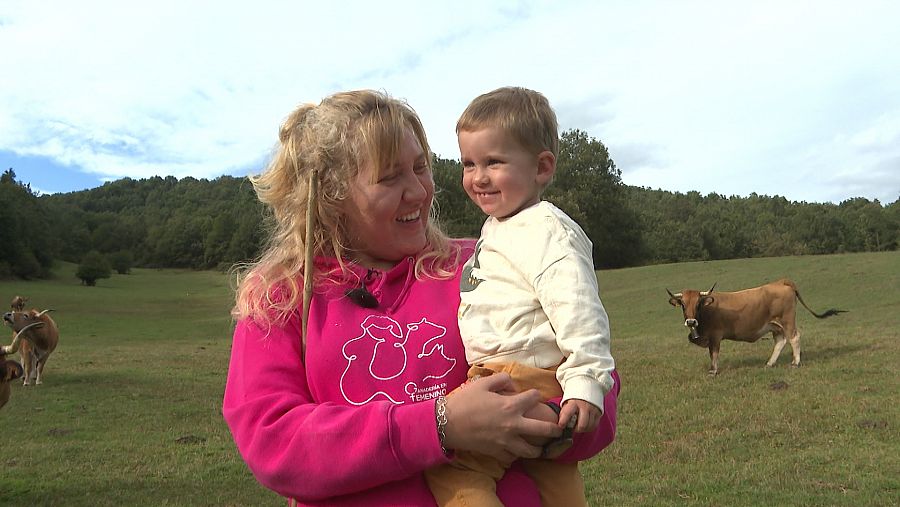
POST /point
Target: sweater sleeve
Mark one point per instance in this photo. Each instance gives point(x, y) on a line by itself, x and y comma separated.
point(568, 292)
point(308, 450)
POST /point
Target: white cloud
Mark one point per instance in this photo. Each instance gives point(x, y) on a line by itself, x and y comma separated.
point(800, 99)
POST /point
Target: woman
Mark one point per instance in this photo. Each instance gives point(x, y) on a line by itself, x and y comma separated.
point(353, 411)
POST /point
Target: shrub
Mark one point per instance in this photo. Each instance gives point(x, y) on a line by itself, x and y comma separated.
point(122, 261)
point(93, 267)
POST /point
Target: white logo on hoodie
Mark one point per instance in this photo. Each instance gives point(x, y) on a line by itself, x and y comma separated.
point(377, 358)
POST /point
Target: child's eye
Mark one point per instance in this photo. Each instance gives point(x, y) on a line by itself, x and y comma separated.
point(494, 161)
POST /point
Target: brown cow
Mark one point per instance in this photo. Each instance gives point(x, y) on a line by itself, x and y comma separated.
point(744, 316)
point(18, 304)
point(41, 336)
point(9, 371)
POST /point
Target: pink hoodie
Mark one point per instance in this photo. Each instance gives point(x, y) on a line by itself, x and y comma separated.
point(355, 426)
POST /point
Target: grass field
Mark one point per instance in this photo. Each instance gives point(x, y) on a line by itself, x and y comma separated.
point(129, 413)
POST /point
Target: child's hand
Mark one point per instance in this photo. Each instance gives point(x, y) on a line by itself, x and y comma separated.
point(588, 415)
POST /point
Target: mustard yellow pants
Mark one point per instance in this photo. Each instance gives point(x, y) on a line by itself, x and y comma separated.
point(471, 479)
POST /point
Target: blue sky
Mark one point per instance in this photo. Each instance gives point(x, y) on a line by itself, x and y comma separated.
point(46, 175)
point(792, 98)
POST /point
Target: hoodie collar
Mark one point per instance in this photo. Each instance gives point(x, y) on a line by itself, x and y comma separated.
point(390, 287)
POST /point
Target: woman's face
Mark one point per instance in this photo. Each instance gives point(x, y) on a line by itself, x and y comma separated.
point(386, 220)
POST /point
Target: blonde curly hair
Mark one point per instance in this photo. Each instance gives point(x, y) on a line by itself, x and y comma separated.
point(333, 139)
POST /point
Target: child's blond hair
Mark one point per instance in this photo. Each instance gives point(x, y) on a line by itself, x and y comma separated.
point(524, 114)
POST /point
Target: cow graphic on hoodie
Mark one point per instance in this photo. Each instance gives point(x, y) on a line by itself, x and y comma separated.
point(380, 353)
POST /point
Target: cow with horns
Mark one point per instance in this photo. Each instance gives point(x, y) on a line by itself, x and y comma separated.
point(37, 335)
point(745, 316)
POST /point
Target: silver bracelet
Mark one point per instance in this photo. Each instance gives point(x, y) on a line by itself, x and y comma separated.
point(440, 415)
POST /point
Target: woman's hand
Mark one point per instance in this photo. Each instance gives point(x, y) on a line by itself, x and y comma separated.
point(480, 418)
point(542, 412)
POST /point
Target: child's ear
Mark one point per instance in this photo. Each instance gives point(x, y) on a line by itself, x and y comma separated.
point(546, 167)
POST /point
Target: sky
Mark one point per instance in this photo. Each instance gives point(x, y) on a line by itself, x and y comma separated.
point(799, 99)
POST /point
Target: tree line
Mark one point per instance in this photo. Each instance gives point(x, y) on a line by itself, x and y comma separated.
point(213, 224)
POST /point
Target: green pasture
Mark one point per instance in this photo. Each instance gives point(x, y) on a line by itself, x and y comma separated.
point(129, 413)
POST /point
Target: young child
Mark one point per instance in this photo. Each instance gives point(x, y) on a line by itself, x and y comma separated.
point(529, 296)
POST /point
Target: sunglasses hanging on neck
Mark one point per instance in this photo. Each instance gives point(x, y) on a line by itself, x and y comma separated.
point(361, 295)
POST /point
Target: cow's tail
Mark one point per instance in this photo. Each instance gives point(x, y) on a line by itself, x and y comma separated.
point(824, 315)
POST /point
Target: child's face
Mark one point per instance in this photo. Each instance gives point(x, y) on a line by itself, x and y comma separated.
point(499, 175)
